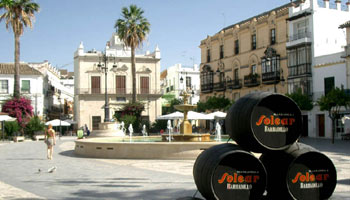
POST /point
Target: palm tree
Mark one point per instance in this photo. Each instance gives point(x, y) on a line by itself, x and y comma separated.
point(132, 30)
point(18, 14)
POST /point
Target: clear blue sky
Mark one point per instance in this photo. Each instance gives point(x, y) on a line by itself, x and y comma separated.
point(177, 27)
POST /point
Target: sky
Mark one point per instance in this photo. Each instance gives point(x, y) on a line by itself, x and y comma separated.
point(177, 27)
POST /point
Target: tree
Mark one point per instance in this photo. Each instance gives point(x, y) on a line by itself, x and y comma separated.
point(34, 125)
point(18, 14)
point(132, 30)
point(214, 103)
point(302, 100)
point(171, 109)
point(332, 102)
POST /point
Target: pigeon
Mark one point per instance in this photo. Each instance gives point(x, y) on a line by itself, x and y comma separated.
point(52, 169)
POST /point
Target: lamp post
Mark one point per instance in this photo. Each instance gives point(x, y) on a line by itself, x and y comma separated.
point(59, 99)
point(104, 67)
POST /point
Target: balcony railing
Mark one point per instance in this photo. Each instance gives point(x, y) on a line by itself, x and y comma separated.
point(117, 91)
point(219, 86)
point(234, 84)
point(299, 36)
point(299, 70)
point(205, 88)
point(270, 77)
point(251, 80)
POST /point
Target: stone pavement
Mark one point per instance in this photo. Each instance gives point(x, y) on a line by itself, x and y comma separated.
point(86, 178)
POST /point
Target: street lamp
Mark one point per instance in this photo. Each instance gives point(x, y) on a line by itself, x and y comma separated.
point(59, 99)
point(104, 67)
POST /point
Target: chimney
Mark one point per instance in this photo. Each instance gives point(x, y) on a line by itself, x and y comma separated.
point(338, 2)
point(326, 3)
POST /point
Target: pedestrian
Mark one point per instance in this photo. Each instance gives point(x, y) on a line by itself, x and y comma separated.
point(50, 139)
point(87, 131)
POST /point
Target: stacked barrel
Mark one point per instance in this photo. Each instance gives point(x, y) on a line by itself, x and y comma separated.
point(269, 124)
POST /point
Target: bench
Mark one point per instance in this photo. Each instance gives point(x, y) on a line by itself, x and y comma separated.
point(39, 137)
point(18, 138)
point(345, 136)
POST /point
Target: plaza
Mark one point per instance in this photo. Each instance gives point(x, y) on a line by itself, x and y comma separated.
point(87, 178)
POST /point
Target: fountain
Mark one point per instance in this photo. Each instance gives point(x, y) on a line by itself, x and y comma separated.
point(185, 127)
point(183, 145)
point(144, 131)
point(169, 128)
point(109, 129)
point(218, 132)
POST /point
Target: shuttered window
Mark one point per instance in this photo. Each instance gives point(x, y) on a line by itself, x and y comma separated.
point(25, 86)
point(95, 85)
point(120, 84)
point(144, 85)
point(4, 84)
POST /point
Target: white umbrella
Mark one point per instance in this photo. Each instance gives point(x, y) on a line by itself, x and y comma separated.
point(195, 115)
point(70, 121)
point(174, 115)
point(6, 118)
point(217, 115)
point(57, 122)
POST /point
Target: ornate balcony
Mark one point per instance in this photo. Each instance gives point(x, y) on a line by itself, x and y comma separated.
point(220, 86)
point(271, 77)
point(234, 84)
point(207, 88)
point(251, 80)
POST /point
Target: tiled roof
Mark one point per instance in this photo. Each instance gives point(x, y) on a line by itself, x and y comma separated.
point(24, 69)
point(345, 25)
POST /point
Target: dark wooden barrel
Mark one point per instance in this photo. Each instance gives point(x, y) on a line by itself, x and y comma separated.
point(263, 121)
point(300, 172)
point(226, 171)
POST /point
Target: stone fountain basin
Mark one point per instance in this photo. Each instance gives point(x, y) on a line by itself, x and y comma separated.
point(185, 107)
point(98, 148)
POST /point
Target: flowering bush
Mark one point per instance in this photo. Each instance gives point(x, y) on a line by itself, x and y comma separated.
point(20, 108)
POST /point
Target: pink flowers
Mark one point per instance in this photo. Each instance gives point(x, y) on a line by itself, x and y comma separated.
point(20, 108)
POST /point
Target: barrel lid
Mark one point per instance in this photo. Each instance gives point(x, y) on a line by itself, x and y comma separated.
point(276, 122)
point(311, 175)
point(239, 175)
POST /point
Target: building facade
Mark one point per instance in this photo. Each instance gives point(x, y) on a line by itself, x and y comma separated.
point(58, 99)
point(176, 79)
point(316, 61)
point(31, 85)
point(91, 83)
point(248, 56)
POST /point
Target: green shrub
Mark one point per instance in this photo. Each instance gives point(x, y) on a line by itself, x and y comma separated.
point(35, 124)
point(11, 128)
point(158, 125)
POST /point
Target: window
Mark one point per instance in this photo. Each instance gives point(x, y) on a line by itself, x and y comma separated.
point(235, 75)
point(208, 55)
point(222, 77)
point(95, 85)
point(236, 46)
point(25, 86)
point(254, 71)
point(121, 99)
point(4, 84)
point(328, 84)
point(120, 84)
point(221, 51)
point(253, 41)
point(144, 85)
point(270, 64)
point(273, 36)
point(188, 82)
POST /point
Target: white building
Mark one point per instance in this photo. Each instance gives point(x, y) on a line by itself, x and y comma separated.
point(90, 87)
point(31, 85)
point(57, 96)
point(314, 49)
point(177, 79)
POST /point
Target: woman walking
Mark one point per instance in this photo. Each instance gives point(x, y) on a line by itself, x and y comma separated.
point(50, 139)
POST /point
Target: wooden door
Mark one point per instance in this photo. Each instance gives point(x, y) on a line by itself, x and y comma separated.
point(95, 85)
point(320, 125)
point(95, 121)
point(120, 84)
point(144, 85)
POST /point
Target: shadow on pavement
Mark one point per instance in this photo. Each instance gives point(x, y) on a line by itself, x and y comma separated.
point(344, 181)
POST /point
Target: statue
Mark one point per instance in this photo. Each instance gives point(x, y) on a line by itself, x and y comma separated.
point(144, 131)
point(218, 131)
